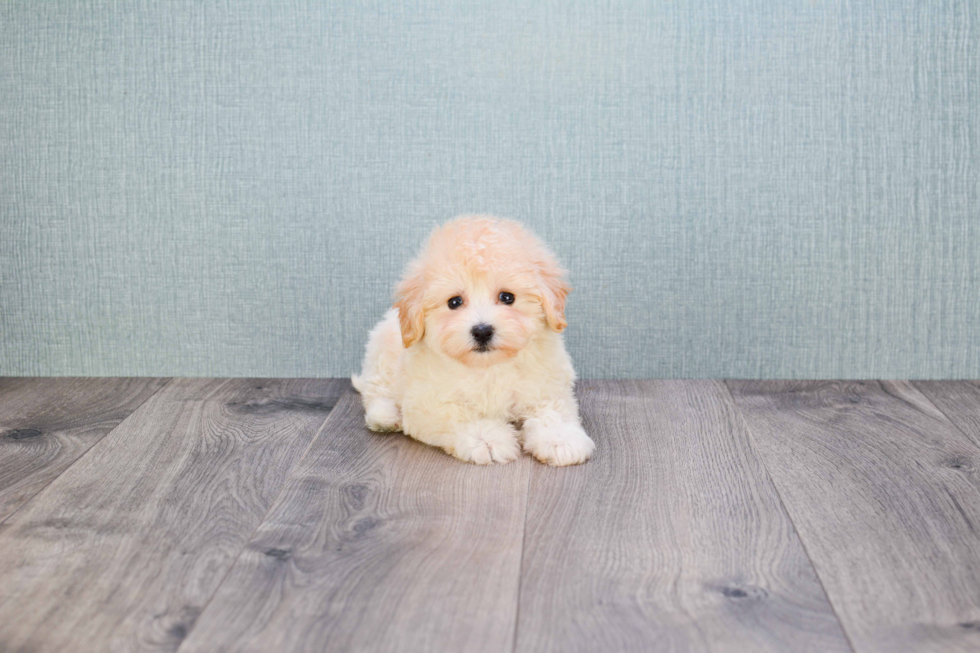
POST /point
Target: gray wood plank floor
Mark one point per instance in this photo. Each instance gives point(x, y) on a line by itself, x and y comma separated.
point(378, 542)
point(672, 535)
point(260, 515)
point(47, 424)
point(959, 401)
point(882, 490)
point(124, 549)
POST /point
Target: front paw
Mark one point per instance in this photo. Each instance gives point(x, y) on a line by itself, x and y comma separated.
point(486, 441)
point(558, 444)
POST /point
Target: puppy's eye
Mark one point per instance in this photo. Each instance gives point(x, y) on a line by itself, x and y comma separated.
point(455, 302)
point(506, 298)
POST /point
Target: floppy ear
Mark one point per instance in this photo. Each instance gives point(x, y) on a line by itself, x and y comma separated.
point(554, 290)
point(408, 301)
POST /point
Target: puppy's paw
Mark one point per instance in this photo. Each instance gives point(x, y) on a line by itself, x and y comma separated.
point(558, 444)
point(487, 441)
point(382, 416)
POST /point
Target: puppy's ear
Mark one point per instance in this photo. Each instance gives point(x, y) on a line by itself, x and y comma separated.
point(554, 290)
point(408, 301)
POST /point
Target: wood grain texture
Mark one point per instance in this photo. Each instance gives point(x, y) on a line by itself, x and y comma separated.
point(124, 549)
point(884, 492)
point(671, 539)
point(959, 401)
point(47, 424)
point(378, 543)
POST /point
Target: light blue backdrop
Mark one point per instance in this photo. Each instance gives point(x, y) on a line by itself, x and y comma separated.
point(741, 188)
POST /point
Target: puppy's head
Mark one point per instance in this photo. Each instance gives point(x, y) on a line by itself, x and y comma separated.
point(481, 290)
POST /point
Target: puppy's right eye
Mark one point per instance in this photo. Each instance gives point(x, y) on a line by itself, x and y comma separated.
point(455, 302)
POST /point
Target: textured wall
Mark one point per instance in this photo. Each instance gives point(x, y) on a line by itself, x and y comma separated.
point(741, 188)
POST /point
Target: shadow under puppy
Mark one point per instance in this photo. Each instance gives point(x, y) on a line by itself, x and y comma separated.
point(472, 350)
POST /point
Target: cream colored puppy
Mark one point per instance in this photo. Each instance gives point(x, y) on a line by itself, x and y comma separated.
point(472, 350)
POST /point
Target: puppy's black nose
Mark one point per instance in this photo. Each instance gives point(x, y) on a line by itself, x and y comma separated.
point(482, 333)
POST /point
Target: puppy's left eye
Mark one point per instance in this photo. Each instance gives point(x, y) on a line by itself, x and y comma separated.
point(506, 298)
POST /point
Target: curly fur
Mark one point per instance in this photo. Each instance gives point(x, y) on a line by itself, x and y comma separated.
point(426, 375)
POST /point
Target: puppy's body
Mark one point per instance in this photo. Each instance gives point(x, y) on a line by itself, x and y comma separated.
point(427, 373)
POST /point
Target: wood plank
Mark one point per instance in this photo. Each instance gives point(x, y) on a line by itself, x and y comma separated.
point(884, 492)
point(123, 550)
point(672, 538)
point(46, 424)
point(958, 400)
point(378, 543)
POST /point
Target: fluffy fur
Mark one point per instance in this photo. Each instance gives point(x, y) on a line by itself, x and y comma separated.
point(425, 374)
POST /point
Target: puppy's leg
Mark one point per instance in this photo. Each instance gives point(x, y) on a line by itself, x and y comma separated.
point(379, 376)
point(486, 441)
point(381, 414)
point(467, 437)
point(553, 435)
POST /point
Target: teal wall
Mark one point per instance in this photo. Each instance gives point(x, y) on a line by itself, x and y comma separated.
point(741, 188)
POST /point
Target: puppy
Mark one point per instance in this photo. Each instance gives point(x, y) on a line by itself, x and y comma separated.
point(473, 351)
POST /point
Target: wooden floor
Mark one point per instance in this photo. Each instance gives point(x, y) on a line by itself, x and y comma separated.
point(205, 515)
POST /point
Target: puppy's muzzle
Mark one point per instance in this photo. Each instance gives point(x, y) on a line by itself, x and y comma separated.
point(482, 334)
